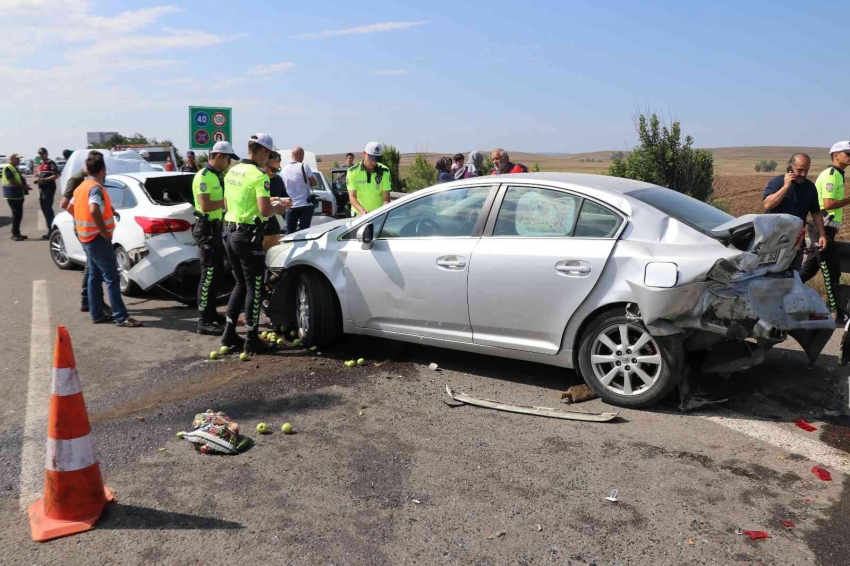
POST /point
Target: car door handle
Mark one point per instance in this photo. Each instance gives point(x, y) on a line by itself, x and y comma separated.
point(451, 262)
point(573, 268)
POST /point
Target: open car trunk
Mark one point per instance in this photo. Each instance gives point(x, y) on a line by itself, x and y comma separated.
point(169, 190)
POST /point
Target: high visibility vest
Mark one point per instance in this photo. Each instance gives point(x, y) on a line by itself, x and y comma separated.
point(87, 230)
point(830, 185)
point(369, 186)
point(242, 185)
point(11, 191)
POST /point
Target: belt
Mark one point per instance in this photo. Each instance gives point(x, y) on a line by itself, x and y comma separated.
point(240, 227)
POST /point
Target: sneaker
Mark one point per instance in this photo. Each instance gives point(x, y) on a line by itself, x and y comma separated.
point(130, 322)
point(104, 319)
point(209, 328)
point(841, 319)
point(18, 238)
point(84, 307)
point(45, 237)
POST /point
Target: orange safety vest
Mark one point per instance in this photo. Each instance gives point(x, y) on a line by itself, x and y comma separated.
point(87, 230)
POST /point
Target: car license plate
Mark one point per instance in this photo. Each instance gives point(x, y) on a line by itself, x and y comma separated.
point(768, 258)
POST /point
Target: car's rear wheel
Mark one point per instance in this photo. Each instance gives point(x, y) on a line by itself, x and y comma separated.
point(128, 287)
point(58, 251)
point(317, 315)
point(627, 366)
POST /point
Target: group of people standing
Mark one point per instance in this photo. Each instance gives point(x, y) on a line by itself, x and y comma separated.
point(452, 169)
point(820, 205)
point(15, 190)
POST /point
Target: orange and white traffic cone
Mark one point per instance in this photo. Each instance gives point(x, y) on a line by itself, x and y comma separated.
point(74, 494)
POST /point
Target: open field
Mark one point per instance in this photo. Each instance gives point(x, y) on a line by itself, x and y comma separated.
point(728, 161)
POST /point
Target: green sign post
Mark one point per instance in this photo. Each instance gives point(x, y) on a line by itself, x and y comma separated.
point(209, 125)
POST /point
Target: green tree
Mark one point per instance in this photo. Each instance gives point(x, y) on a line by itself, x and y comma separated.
point(422, 174)
point(391, 159)
point(770, 166)
point(202, 159)
point(336, 164)
point(759, 166)
point(617, 155)
point(663, 159)
point(535, 168)
point(487, 165)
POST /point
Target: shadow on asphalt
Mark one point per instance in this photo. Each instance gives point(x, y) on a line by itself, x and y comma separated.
point(5, 221)
point(132, 517)
point(173, 317)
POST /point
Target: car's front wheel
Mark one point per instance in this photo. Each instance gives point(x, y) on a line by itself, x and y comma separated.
point(317, 315)
point(627, 366)
point(128, 287)
point(58, 251)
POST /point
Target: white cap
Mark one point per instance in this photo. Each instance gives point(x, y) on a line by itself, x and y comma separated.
point(839, 147)
point(144, 153)
point(374, 150)
point(264, 140)
point(225, 148)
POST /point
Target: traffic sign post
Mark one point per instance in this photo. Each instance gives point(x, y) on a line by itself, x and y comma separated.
point(208, 125)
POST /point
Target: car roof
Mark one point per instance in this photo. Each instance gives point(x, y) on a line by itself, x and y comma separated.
point(600, 182)
point(144, 175)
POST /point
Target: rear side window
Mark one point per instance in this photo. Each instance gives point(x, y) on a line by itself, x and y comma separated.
point(531, 212)
point(687, 210)
point(596, 222)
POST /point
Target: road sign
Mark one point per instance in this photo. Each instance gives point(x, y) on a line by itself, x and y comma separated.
point(208, 125)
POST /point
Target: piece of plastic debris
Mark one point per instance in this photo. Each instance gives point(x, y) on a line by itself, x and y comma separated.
point(433, 367)
point(162, 449)
point(754, 535)
point(500, 534)
point(691, 541)
point(360, 414)
point(213, 433)
point(539, 528)
point(578, 393)
point(804, 425)
point(822, 474)
point(788, 524)
point(416, 501)
point(613, 497)
point(807, 500)
point(526, 410)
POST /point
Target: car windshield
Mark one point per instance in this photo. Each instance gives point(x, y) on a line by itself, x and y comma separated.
point(320, 184)
point(687, 210)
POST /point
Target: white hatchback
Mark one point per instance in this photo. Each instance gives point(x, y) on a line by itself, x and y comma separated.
point(153, 239)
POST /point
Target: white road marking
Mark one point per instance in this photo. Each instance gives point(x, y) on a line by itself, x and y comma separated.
point(38, 398)
point(787, 440)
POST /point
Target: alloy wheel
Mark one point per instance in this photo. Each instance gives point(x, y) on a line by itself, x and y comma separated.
point(626, 359)
point(57, 250)
point(303, 311)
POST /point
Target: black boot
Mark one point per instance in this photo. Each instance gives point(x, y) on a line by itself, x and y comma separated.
point(209, 328)
point(231, 339)
point(256, 345)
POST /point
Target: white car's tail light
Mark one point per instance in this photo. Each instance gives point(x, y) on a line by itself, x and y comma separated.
point(154, 226)
point(327, 210)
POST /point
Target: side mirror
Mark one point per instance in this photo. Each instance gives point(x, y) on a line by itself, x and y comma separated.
point(366, 234)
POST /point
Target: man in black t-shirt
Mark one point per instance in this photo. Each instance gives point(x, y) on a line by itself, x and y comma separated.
point(191, 166)
point(793, 193)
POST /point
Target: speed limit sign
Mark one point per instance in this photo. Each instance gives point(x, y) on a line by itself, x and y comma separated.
point(218, 136)
point(219, 119)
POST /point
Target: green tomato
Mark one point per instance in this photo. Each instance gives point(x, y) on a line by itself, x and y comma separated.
point(244, 357)
point(361, 362)
point(286, 428)
point(213, 355)
point(262, 428)
point(224, 350)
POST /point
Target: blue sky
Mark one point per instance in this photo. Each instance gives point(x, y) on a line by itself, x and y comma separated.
point(331, 76)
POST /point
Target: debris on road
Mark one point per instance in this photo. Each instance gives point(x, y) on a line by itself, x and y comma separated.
point(262, 428)
point(754, 535)
point(500, 534)
point(613, 497)
point(788, 524)
point(578, 393)
point(213, 433)
point(804, 425)
point(433, 367)
point(286, 428)
point(526, 410)
point(822, 474)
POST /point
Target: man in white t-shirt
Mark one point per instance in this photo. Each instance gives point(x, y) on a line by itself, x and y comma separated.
point(299, 180)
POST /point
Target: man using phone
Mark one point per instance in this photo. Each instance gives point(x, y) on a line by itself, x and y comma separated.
point(830, 185)
point(793, 193)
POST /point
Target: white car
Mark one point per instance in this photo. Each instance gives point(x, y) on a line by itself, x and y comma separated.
point(153, 239)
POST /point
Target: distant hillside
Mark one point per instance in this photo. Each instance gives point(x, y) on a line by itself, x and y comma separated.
point(727, 160)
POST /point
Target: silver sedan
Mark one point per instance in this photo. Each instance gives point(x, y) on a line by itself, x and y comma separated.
point(626, 282)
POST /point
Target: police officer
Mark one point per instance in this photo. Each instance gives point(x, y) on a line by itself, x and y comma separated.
point(368, 182)
point(249, 204)
point(14, 190)
point(207, 186)
point(830, 185)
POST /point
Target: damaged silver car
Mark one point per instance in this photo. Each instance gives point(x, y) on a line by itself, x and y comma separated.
point(626, 282)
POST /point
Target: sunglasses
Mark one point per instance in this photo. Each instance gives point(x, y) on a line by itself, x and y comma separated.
point(276, 170)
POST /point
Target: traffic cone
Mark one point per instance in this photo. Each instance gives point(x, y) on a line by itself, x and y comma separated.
point(74, 494)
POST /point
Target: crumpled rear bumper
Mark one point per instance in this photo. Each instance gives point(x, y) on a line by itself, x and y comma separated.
point(766, 309)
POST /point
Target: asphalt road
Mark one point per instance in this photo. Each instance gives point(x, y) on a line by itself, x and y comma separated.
point(381, 471)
